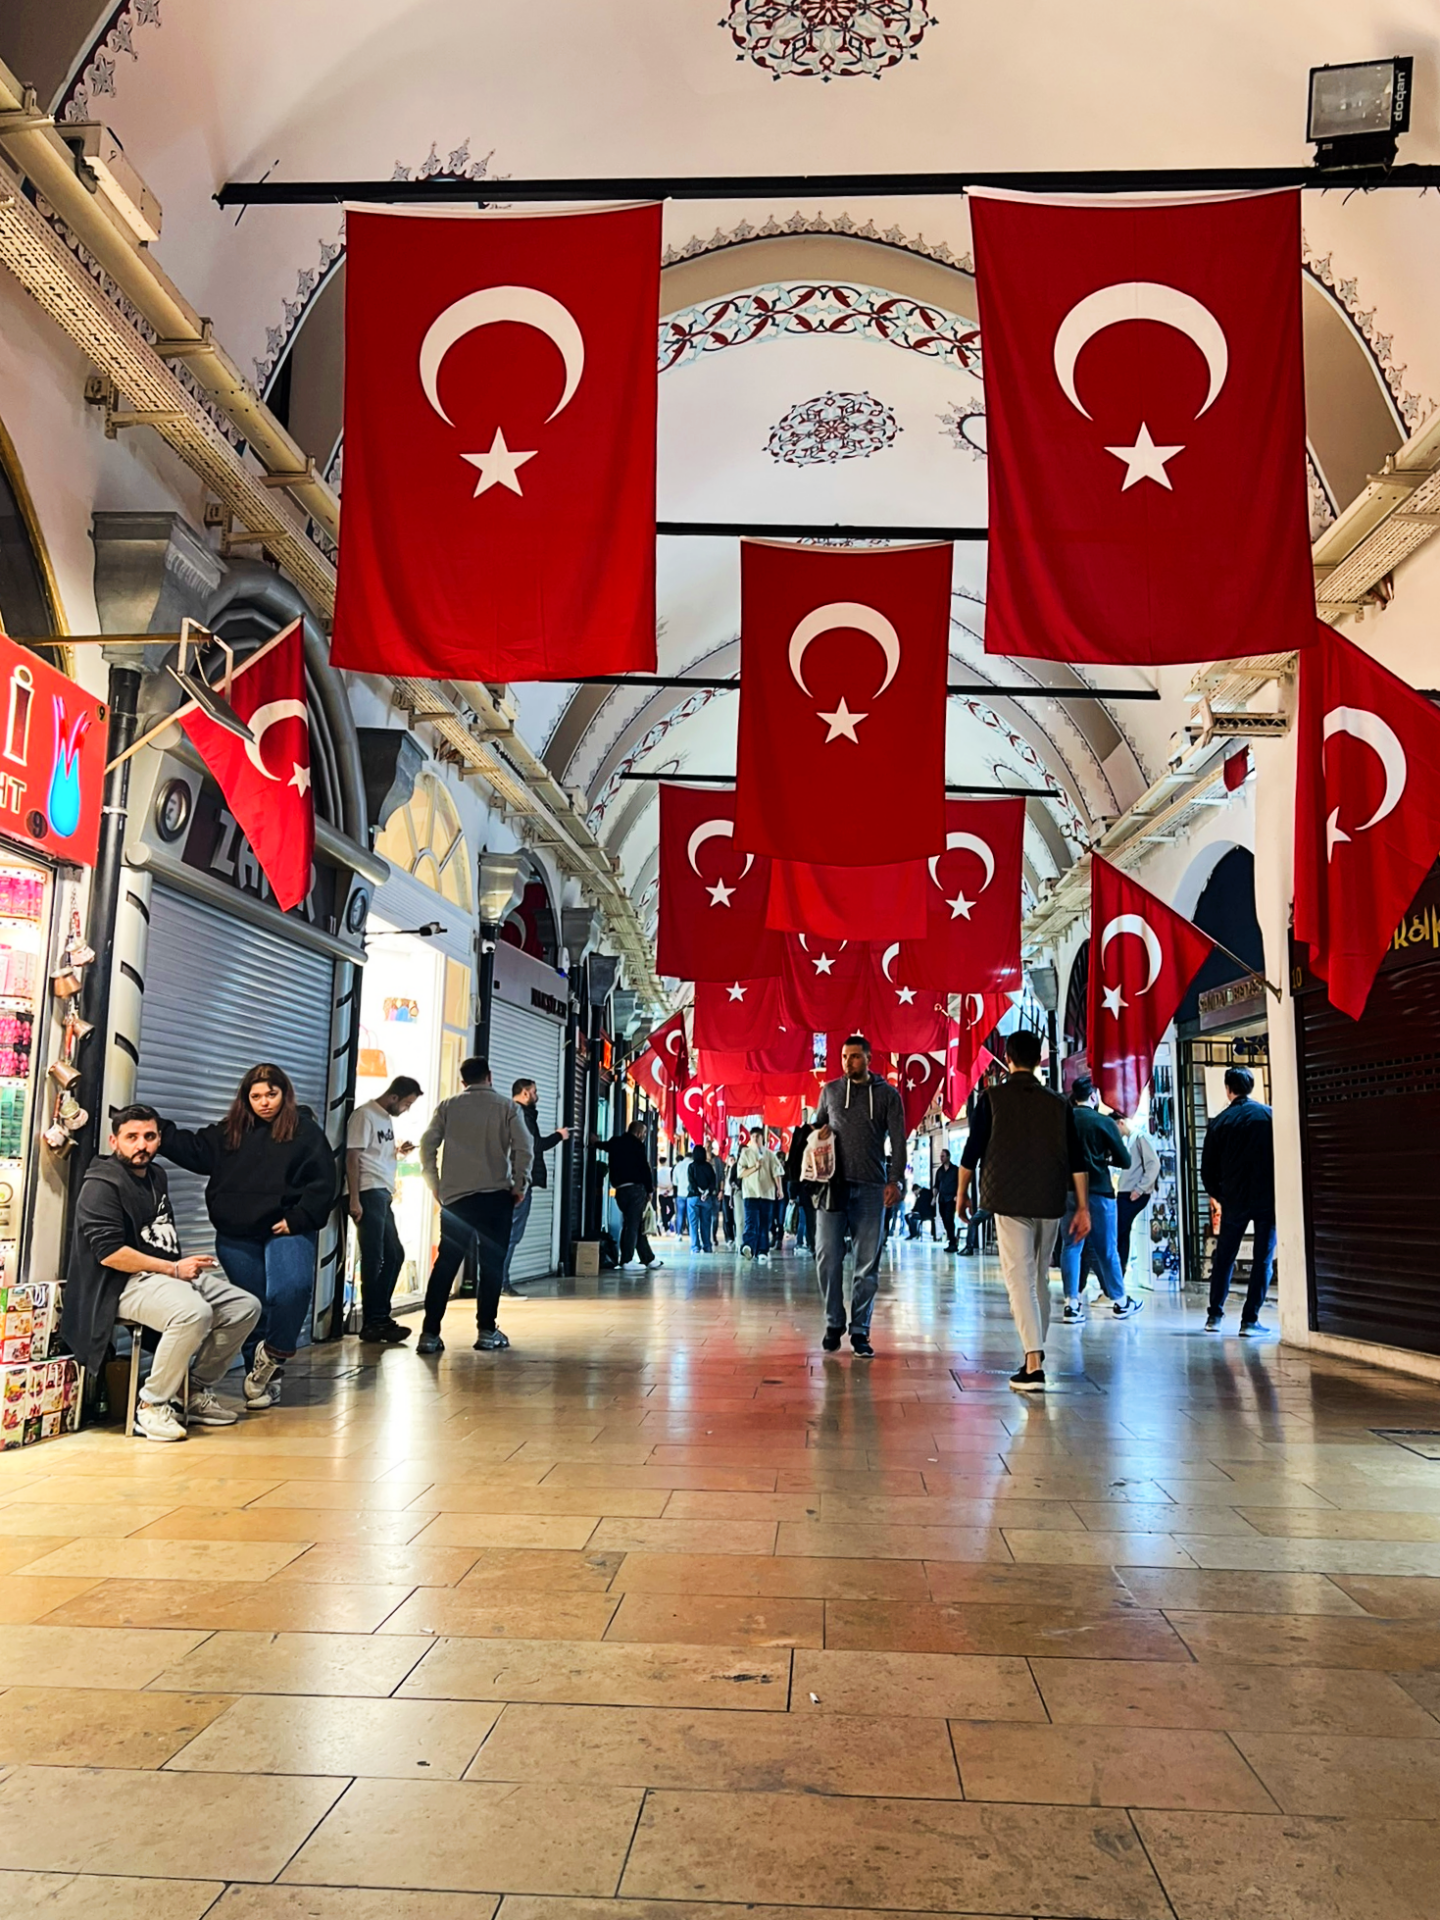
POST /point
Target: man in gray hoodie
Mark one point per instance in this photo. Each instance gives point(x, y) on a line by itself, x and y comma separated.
point(860, 1113)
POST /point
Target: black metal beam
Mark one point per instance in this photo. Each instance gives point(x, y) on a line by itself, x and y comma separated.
point(979, 689)
point(751, 530)
point(728, 780)
point(809, 186)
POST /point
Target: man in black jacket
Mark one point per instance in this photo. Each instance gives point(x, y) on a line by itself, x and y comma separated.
point(633, 1183)
point(1237, 1167)
point(947, 1187)
point(126, 1264)
point(527, 1098)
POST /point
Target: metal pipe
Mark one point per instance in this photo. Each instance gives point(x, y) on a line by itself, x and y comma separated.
point(803, 530)
point(968, 689)
point(728, 780)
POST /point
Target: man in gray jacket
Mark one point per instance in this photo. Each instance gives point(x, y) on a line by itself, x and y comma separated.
point(476, 1156)
point(860, 1113)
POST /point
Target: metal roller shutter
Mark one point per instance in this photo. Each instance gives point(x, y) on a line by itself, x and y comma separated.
point(219, 995)
point(528, 1046)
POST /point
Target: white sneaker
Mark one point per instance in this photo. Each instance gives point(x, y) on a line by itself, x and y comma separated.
point(261, 1388)
point(207, 1409)
point(157, 1420)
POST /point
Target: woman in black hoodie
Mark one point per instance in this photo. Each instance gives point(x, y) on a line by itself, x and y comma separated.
point(270, 1187)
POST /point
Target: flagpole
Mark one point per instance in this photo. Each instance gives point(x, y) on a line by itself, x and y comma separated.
point(190, 706)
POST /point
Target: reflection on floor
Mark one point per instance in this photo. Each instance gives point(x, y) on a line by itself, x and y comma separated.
point(663, 1605)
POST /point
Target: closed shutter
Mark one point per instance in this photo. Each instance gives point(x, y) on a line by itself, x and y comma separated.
point(1370, 1110)
point(528, 1046)
point(220, 995)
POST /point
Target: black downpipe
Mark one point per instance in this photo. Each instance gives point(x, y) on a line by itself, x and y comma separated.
point(485, 999)
point(1053, 1035)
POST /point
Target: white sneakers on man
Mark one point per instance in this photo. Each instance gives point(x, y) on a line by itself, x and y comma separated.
point(158, 1420)
point(258, 1389)
point(207, 1409)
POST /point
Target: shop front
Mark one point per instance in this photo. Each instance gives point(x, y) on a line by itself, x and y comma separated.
point(529, 1010)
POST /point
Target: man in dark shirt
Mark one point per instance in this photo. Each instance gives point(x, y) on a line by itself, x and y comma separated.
point(1237, 1167)
point(1104, 1148)
point(527, 1098)
point(633, 1183)
point(947, 1185)
point(865, 1117)
point(1023, 1138)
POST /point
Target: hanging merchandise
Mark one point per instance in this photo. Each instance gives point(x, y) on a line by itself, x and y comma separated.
point(1130, 349)
point(972, 934)
point(712, 896)
point(1144, 956)
point(68, 1116)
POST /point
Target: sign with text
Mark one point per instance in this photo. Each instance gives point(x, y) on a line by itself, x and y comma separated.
point(52, 758)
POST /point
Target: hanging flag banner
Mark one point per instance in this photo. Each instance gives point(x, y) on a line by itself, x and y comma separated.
point(1143, 956)
point(266, 780)
point(848, 903)
point(960, 1079)
point(972, 934)
point(1367, 812)
point(648, 1073)
point(900, 1016)
point(713, 896)
point(668, 1045)
point(841, 756)
point(825, 984)
point(500, 389)
point(1138, 358)
point(922, 1076)
point(736, 1016)
point(690, 1107)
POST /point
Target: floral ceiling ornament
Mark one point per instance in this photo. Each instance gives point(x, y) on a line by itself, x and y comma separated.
point(869, 313)
point(831, 39)
point(963, 422)
point(95, 71)
point(831, 427)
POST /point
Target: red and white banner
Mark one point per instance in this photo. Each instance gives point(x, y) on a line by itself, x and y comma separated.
point(849, 903)
point(1143, 957)
point(922, 1076)
point(1367, 812)
point(648, 1073)
point(841, 758)
point(825, 984)
point(972, 936)
point(1137, 359)
point(737, 1016)
point(690, 1106)
point(900, 1016)
point(266, 781)
point(500, 388)
point(712, 895)
point(670, 1047)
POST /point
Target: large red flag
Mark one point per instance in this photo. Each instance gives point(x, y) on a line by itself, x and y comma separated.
point(1143, 956)
point(691, 1110)
point(1367, 812)
point(712, 896)
point(849, 903)
point(960, 1078)
point(670, 1047)
point(648, 1072)
point(1134, 353)
point(841, 757)
point(922, 1075)
point(266, 782)
point(825, 984)
point(972, 935)
point(732, 1017)
point(500, 385)
point(900, 1016)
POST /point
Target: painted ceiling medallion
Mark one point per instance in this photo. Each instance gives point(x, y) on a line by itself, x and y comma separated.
point(834, 39)
point(963, 423)
point(831, 427)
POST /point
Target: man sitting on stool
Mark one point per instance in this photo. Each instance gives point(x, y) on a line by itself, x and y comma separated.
point(127, 1265)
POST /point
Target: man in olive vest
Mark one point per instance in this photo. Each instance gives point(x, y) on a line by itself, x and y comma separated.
point(1024, 1140)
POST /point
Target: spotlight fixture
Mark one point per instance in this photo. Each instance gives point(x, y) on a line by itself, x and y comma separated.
point(1357, 112)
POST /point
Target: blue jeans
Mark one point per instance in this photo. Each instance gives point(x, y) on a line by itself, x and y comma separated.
point(682, 1214)
point(702, 1222)
point(517, 1230)
point(280, 1272)
point(1233, 1222)
point(756, 1235)
point(863, 1215)
point(1097, 1249)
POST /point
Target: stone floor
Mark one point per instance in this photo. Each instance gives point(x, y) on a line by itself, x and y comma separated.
point(664, 1613)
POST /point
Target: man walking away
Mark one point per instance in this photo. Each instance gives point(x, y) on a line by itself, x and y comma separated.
point(760, 1173)
point(632, 1183)
point(1134, 1187)
point(1103, 1147)
point(861, 1113)
point(802, 1190)
point(1237, 1168)
point(527, 1098)
point(701, 1189)
point(680, 1179)
point(1024, 1140)
point(476, 1155)
point(370, 1168)
point(127, 1265)
point(947, 1186)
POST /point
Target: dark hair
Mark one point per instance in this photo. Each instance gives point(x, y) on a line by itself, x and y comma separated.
point(402, 1088)
point(474, 1071)
point(637, 1127)
point(856, 1040)
point(132, 1115)
point(519, 1087)
point(1081, 1090)
point(699, 1155)
point(241, 1117)
point(1022, 1048)
point(1239, 1080)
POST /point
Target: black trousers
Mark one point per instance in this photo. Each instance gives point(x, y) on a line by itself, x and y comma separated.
point(1128, 1207)
point(947, 1221)
point(381, 1255)
point(632, 1201)
point(481, 1220)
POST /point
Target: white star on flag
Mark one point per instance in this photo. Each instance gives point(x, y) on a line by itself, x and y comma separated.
point(737, 992)
point(960, 907)
point(842, 724)
point(1145, 461)
point(823, 963)
point(498, 467)
point(905, 995)
point(300, 778)
point(1114, 1000)
point(720, 894)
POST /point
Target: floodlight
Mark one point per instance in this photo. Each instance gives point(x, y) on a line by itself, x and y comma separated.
point(1358, 110)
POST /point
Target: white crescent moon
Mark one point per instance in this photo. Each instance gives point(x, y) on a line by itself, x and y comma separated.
point(804, 940)
point(973, 844)
point(926, 1062)
point(711, 830)
point(673, 1042)
point(1140, 300)
point(887, 960)
point(528, 307)
point(844, 613)
point(979, 1012)
point(1383, 740)
point(1138, 925)
point(260, 723)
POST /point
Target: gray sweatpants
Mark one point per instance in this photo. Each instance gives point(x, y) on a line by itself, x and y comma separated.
point(1024, 1247)
point(204, 1320)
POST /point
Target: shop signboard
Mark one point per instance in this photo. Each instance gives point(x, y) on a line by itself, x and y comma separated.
point(215, 845)
point(1234, 1003)
point(52, 758)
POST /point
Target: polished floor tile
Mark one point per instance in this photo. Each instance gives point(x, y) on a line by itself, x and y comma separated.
point(605, 1673)
point(1310, 1640)
point(719, 1620)
point(811, 1577)
point(379, 1566)
point(1107, 1767)
point(1390, 1596)
point(55, 1656)
point(80, 1727)
point(1206, 1591)
point(965, 1686)
point(302, 1525)
point(262, 1606)
point(26, 1598)
point(103, 1896)
point(340, 1663)
point(1098, 1633)
point(349, 1903)
point(491, 1614)
point(1342, 1777)
point(683, 1536)
point(102, 1559)
point(1219, 1866)
point(518, 1530)
point(1110, 1693)
point(376, 1739)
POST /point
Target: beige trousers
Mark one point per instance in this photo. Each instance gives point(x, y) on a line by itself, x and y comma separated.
point(202, 1321)
point(1025, 1246)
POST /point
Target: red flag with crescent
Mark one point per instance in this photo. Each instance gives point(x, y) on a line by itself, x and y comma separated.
point(713, 896)
point(690, 1109)
point(734, 1016)
point(900, 1016)
point(266, 780)
point(500, 389)
point(1367, 812)
point(1133, 354)
point(849, 903)
point(841, 755)
point(672, 1050)
point(922, 1075)
point(1143, 956)
point(825, 983)
point(972, 935)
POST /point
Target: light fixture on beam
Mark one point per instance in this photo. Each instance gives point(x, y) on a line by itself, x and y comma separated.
point(1358, 111)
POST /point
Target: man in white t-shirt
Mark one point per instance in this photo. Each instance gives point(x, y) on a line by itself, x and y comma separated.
point(370, 1163)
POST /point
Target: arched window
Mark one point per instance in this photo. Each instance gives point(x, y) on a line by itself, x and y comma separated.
point(29, 602)
point(424, 838)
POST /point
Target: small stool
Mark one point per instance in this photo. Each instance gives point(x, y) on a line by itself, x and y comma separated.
point(132, 1391)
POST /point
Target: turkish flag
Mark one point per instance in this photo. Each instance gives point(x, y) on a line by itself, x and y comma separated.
point(825, 984)
point(841, 755)
point(734, 1017)
point(670, 1047)
point(900, 1016)
point(1133, 356)
point(500, 386)
point(717, 1120)
point(1367, 811)
point(266, 782)
point(691, 1110)
point(848, 903)
point(648, 1073)
point(972, 935)
point(712, 896)
point(880, 1061)
point(964, 1069)
point(1143, 956)
point(922, 1075)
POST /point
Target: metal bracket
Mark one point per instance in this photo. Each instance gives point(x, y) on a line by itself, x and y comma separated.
point(100, 391)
